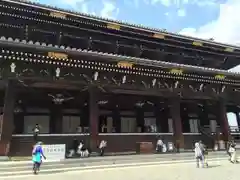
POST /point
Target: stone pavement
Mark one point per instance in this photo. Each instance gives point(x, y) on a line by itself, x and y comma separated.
point(219, 169)
point(25, 168)
point(120, 158)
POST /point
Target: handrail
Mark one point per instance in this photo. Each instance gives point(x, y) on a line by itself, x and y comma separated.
point(202, 130)
point(234, 129)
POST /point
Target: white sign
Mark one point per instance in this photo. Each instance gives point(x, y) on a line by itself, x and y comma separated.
point(170, 146)
point(54, 151)
point(237, 145)
point(221, 145)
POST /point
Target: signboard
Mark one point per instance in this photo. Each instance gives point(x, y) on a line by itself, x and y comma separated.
point(170, 146)
point(125, 64)
point(220, 76)
point(158, 35)
point(197, 43)
point(176, 71)
point(221, 145)
point(57, 55)
point(58, 15)
point(54, 151)
point(113, 26)
point(228, 49)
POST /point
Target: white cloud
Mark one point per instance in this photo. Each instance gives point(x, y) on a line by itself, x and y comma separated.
point(166, 14)
point(163, 2)
point(77, 5)
point(180, 3)
point(224, 29)
point(134, 3)
point(109, 10)
point(181, 13)
point(71, 2)
point(205, 2)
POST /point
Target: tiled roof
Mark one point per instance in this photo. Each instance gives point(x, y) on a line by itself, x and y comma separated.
point(122, 23)
point(112, 57)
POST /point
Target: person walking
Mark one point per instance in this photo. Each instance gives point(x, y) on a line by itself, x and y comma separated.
point(228, 148)
point(199, 155)
point(37, 154)
point(233, 153)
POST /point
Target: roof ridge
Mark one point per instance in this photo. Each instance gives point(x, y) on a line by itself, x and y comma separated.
point(123, 23)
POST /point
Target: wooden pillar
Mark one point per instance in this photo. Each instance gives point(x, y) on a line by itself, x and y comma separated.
point(19, 123)
point(161, 114)
point(93, 119)
point(84, 118)
point(157, 113)
point(140, 119)
point(203, 115)
point(56, 122)
point(185, 119)
point(116, 120)
point(164, 120)
point(222, 119)
point(7, 119)
point(177, 123)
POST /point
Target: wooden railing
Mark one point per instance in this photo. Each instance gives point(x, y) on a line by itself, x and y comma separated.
point(234, 129)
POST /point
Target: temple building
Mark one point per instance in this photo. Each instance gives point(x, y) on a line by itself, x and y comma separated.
point(85, 77)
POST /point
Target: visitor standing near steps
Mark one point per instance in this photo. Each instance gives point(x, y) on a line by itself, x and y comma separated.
point(102, 147)
point(36, 131)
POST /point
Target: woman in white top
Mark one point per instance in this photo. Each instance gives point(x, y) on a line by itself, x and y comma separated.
point(159, 145)
point(102, 146)
point(199, 154)
point(232, 152)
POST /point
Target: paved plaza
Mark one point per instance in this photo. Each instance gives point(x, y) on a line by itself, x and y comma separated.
point(219, 169)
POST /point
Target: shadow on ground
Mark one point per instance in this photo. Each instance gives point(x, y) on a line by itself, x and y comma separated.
point(213, 166)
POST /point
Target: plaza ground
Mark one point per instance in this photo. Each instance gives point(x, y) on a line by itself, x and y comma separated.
point(219, 169)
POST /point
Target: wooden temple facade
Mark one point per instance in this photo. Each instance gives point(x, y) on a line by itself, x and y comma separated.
point(80, 76)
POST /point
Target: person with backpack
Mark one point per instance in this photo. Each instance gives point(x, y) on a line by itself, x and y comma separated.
point(37, 155)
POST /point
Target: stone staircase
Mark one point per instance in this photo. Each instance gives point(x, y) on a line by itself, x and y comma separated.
point(207, 138)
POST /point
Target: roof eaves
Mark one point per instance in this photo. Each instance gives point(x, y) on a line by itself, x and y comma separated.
point(111, 57)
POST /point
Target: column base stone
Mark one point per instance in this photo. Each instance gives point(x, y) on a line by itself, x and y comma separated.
point(4, 148)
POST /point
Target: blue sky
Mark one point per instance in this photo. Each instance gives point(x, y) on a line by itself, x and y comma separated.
point(217, 19)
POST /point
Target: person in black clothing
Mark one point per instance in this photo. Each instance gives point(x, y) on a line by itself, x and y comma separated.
point(36, 131)
point(73, 149)
point(75, 145)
